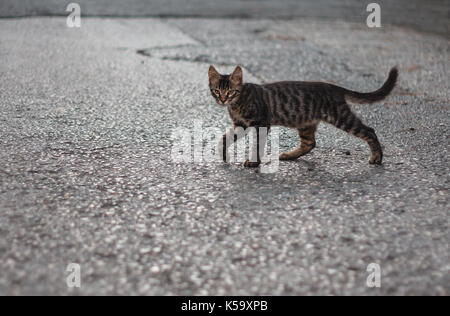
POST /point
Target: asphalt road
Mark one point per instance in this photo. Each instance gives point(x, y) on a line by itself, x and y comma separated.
point(429, 16)
point(86, 176)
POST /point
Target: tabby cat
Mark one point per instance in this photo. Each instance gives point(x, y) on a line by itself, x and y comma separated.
point(294, 104)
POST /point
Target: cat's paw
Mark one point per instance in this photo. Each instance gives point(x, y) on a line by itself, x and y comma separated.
point(288, 156)
point(251, 164)
point(376, 159)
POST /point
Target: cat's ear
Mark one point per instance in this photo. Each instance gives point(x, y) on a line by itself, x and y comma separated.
point(213, 74)
point(236, 76)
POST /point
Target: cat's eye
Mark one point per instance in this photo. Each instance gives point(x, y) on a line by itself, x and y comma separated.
point(215, 91)
point(232, 93)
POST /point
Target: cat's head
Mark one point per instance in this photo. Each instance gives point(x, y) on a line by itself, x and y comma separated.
point(226, 89)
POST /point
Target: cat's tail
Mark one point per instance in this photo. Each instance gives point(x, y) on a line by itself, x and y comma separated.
point(378, 95)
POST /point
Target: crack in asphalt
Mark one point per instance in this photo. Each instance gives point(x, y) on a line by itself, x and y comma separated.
point(203, 58)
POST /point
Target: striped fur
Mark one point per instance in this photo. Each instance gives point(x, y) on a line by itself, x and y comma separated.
point(296, 104)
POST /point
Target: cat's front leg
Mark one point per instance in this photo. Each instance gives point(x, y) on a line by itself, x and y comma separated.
point(258, 146)
point(228, 139)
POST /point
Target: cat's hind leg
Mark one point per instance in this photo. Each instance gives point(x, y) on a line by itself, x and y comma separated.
point(307, 143)
point(346, 120)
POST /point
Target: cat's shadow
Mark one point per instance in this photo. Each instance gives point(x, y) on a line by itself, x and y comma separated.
point(307, 172)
